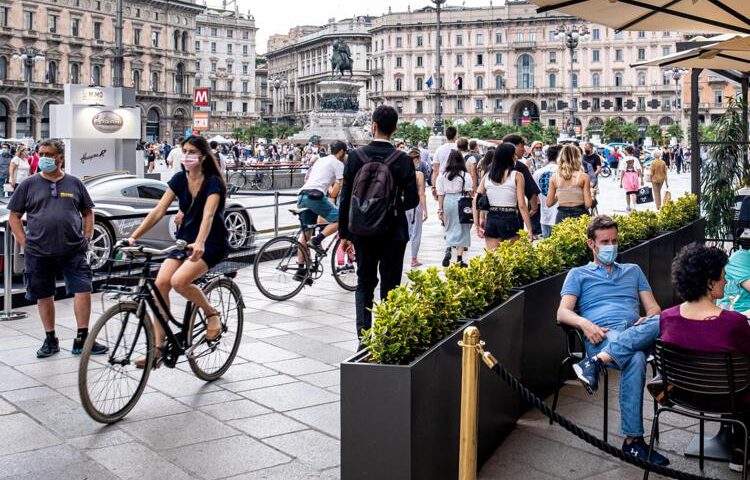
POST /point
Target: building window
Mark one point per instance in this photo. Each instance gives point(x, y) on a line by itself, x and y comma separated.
point(75, 23)
point(3, 16)
point(398, 62)
point(229, 106)
point(641, 54)
point(498, 58)
point(75, 73)
point(420, 107)
point(480, 39)
point(244, 87)
point(498, 37)
point(596, 34)
point(399, 42)
point(230, 68)
point(480, 59)
point(478, 105)
point(420, 41)
point(244, 49)
point(136, 80)
point(666, 78)
point(595, 55)
point(498, 105)
point(618, 55)
point(618, 79)
point(154, 81)
point(641, 34)
point(245, 35)
point(595, 80)
point(197, 46)
point(552, 80)
point(574, 80)
point(641, 79)
point(3, 68)
point(595, 104)
point(519, 36)
point(419, 84)
point(229, 48)
point(459, 60)
point(641, 104)
point(213, 66)
point(51, 22)
point(532, 36)
point(155, 39)
point(244, 107)
point(244, 68)
point(552, 57)
point(230, 33)
point(459, 40)
point(230, 85)
point(198, 30)
point(666, 51)
point(97, 30)
point(480, 82)
point(213, 85)
point(51, 76)
point(96, 75)
point(214, 32)
point(198, 67)
point(213, 47)
point(619, 35)
point(212, 105)
point(459, 105)
point(420, 61)
point(137, 13)
point(499, 82)
point(618, 104)
point(28, 20)
point(398, 84)
point(459, 83)
point(525, 71)
point(718, 97)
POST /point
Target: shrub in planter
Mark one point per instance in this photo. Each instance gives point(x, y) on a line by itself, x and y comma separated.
point(568, 240)
point(480, 286)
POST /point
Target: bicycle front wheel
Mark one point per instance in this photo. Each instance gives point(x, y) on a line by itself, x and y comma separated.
point(606, 172)
point(239, 179)
point(265, 182)
point(276, 270)
point(110, 384)
point(210, 360)
point(344, 266)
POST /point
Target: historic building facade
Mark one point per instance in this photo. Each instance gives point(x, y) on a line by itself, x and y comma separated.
point(505, 63)
point(301, 59)
point(74, 43)
point(225, 50)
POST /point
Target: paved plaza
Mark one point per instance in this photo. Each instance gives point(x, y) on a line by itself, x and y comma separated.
point(274, 414)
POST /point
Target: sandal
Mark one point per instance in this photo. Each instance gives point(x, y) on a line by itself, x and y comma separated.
point(141, 362)
point(213, 334)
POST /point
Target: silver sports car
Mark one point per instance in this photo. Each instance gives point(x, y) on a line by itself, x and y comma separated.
point(119, 194)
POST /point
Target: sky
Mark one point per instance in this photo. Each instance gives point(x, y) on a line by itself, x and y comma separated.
point(278, 16)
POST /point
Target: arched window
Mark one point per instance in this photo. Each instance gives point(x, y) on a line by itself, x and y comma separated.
point(499, 83)
point(75, 73)
point(154, 81)
point(552, 80)
point(419, 83)
point(176, 40)
point(595, 80)
point(51, 72)
point(136, 80)
point(179, 79)
point(525, 67)
point(574, 79)
point(398, 84)
point(480, 82)
point(618, 79)
point(641, 79)
point(184, 41)
point(96, 75)
point(3, 68)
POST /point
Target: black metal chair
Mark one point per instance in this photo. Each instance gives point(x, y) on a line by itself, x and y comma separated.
point(705, 386)
point(575, 351)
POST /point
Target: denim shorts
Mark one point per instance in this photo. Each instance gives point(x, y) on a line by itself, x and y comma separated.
point(323, 208)
point(41, 271)
point(502, 225)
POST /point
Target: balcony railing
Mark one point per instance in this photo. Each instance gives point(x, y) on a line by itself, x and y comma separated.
point(530, 45)
point(550, 90)
point(663, 88)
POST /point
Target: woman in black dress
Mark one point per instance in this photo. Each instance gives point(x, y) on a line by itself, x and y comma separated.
point(201, 192)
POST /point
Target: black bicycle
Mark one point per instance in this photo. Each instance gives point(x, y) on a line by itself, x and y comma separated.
point(111, 385)
point(254, 180)
point(283, 266)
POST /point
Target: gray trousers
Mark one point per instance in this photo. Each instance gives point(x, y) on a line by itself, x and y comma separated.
point(414, 220)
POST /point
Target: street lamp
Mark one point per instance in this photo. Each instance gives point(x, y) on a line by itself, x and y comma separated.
point(28, 55)
point(677, 74)
point(572, 34)
point(438, 125)
point(278, 83)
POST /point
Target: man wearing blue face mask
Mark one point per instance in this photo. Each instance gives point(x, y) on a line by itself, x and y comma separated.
point(59, 225)
point(608, 297)
point(5, 158)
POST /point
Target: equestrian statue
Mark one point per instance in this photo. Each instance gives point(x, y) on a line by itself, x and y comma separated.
point(341, 60)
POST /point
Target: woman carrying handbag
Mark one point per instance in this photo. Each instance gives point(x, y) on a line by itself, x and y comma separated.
point(450, 190)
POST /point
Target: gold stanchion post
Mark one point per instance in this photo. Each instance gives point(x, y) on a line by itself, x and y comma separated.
point(467, 459)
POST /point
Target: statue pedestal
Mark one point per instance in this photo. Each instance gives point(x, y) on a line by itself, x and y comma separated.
point(436, 141)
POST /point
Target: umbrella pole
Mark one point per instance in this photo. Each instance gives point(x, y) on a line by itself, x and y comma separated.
point(744, 85)
point(695, 155)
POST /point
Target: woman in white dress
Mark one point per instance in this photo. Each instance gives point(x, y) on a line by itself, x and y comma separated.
point(453, 184)
point(19, 167)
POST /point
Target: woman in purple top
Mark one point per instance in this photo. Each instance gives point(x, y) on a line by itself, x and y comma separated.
point(698, 323)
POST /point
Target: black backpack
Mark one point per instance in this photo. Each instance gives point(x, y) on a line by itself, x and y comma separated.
point(373, 205)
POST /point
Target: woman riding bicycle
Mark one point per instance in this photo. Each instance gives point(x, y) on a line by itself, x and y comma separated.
point(201, 192)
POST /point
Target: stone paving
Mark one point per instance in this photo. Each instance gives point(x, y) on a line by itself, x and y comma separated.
point(274, 414)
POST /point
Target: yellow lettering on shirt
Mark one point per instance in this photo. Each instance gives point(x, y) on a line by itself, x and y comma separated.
point(66, 195)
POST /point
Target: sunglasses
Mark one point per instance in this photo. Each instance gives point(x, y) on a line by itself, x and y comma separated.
point(53, 189)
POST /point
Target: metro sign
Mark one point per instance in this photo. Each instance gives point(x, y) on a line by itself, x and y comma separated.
point(200, 97)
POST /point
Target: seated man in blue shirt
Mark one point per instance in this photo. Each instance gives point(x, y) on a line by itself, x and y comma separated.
point(608, 296)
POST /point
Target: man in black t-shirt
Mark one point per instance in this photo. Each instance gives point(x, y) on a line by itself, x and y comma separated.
point(595, 163)
point(531, 189)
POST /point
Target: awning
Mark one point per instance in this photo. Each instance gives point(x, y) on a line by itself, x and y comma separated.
point(733, 54)
point(658, 15)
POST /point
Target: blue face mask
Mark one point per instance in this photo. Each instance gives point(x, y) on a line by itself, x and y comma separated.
point(607, 254)
point(47, 164)
point(3, 151)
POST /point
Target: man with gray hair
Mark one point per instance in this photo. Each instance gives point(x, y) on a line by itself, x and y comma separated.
point(59, 226)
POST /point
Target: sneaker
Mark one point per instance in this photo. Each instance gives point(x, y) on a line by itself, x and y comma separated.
point(300, 275)
point(97, 349)
point(48, 348)
point(735, 464)
point(447, 259)
point(462, 264)
point(587, 371)
point(317, 244)
point(639, 449)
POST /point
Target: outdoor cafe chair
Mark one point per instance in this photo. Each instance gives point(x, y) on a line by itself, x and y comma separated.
point(706, 386)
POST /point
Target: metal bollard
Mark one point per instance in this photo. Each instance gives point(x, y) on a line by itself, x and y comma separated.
point(276, 213)
point(8, 313)
point(467, 456)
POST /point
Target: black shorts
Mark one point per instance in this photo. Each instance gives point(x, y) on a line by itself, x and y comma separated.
point(213, 255)
point(503, 225)
point(41, 272)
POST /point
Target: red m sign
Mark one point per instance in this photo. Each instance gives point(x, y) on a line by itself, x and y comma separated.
point(200, 97)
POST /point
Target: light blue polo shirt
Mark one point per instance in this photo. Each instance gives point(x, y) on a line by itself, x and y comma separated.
point(607, 299)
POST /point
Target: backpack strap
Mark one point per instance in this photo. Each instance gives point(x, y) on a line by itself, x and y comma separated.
point(362, 155)
point(395, 154)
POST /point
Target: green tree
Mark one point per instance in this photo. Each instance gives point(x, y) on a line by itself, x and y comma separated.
point(613, 130)
point(550, 134)
point(654, 131)
point(675, 131)
point(630, 132)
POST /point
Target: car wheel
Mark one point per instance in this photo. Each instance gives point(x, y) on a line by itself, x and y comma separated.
point(101, 244)
point(240, 229)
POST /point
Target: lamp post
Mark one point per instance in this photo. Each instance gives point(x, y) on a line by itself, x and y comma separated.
point(119, 55)
point(677, 74)
point(572, 34)
point(438, 125)
point(28, 55)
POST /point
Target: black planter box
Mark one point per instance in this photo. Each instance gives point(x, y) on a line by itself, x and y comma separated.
point(660, 269)
point(543, 346)
point(692, 232)
point(640, 255)
point(499, 406)
point(402, 421)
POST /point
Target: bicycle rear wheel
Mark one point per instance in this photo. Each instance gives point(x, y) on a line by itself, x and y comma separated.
point(344, 267)
point(110, 384)
point(265, 182)
point(606, 172)
point(276, 272)
point(210, 360)
point(239, 179)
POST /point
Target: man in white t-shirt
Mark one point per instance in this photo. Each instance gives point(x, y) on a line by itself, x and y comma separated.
point(327, 172)
point(441, 156)
point(542, 178)
point(174, 159)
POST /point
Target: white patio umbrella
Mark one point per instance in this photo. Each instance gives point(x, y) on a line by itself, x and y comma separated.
point(732, 54)
point(219, 139)
point(658, 15)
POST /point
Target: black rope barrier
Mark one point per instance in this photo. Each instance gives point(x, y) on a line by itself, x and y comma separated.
point(538, 403)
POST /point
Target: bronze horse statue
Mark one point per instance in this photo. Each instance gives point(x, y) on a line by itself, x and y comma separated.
point(341, 60)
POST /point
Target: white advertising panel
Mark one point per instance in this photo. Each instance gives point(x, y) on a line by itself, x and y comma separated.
point(96, 122)
point(84, 95)
point(86, 157)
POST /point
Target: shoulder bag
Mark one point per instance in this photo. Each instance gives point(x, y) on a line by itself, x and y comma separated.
point(465, 206)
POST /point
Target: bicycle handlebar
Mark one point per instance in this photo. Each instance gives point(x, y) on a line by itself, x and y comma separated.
point(144, 250)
